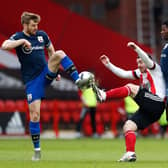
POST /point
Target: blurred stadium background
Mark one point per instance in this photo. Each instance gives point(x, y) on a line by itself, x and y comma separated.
point(85, 30)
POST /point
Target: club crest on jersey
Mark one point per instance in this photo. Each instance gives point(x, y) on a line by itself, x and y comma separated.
point(40, 39)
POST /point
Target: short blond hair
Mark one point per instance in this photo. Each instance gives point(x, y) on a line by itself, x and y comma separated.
point(27, 16)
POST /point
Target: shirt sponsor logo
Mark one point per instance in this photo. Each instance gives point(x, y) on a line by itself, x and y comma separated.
point(29, 50)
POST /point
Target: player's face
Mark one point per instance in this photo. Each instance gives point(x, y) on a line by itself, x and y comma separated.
point(164, 32)
point(31, 27)
point(141, 65)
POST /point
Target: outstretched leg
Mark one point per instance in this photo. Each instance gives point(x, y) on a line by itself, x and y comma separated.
point(60, 58)
point(117, 93)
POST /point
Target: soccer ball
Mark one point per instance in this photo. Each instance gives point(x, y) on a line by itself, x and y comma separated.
point(86, 78)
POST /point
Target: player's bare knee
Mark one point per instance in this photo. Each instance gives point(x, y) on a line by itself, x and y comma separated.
point(130, 86)
point(60, 54)
point(133, 89)
point(129, 125)
point(35, 116)
point(34, 112)
point(126, 126)
point(56, 58)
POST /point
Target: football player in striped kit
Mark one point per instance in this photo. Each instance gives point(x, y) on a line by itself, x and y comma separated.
point(149, 95)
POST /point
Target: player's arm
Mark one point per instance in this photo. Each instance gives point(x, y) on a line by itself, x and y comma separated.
point(142, 54)
point(116, 70)
point(50, 50)
point(11, 44)
point(48, 44)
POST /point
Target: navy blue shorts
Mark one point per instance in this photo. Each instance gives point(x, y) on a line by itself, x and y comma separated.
point(35, 89)
point(151, 108)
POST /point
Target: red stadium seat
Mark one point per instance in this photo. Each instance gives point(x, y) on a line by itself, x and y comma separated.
point(100, 128)
point(51, 105)
point(10, 106)
point(62, 106)
point(45, 113)
point(98, 117)
point(75, 109)
point(21, 105)
point(45, 117)
point(66, 117)
point(76, 116)
point(44, 105)
point(56, 116)
point(87, 130)
point(64, 111)
point(2, 106)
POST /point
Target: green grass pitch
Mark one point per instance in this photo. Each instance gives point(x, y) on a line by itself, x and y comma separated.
point(83, 153)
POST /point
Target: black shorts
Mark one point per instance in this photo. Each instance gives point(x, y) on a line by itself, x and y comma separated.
point(151, 108)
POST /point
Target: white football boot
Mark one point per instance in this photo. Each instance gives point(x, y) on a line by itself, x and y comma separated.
point(128, 157)
point(100, 94)
point(37, 155)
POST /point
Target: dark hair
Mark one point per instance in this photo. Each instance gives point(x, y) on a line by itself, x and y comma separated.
point(165, 23)
point(27, 16)
point(148, 56)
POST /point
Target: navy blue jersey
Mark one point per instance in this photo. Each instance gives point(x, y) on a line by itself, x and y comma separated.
point(32, 60)
point(164, 63)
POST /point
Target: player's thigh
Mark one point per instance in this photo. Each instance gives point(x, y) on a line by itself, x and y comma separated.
point(55, 59)
point(35, 106)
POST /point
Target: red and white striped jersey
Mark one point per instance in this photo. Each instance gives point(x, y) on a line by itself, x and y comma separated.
point(152, 80)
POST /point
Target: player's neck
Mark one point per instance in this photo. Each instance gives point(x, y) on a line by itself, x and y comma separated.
point(27, 34)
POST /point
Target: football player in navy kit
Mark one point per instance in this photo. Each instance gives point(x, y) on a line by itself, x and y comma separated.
point(36, 72)
point(164, 59)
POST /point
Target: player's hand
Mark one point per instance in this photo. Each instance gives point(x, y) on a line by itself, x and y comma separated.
point(131, 45)
point(104, 59)
point(58, 78)
point(27, 44)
